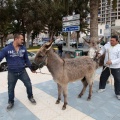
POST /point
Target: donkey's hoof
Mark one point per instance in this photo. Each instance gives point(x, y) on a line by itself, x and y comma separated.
point(79, 96)
point(64, 107)
point(88, 99)
point(57, 102)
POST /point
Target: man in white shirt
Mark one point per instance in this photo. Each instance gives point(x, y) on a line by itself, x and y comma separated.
point(111, 65)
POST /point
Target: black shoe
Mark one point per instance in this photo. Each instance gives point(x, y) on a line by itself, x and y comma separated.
point(32, 100)
point(10, 106)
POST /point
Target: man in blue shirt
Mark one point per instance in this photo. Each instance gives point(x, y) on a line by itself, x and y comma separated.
point(17, 58)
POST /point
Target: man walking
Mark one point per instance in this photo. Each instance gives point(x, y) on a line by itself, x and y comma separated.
point(17, 58)
point(111, 65)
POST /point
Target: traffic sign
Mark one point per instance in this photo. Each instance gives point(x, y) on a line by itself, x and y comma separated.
point(71, 28)
point(73, 17)
point(71, 23)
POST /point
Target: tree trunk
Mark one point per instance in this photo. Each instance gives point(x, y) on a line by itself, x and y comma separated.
point(94, 20)
point(28, 38)
point(2, 42)
point(23, 30)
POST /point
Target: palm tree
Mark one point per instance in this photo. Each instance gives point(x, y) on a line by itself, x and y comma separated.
point(94, 4)
point(94, 20)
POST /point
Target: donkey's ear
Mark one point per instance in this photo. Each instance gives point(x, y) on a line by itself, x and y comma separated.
point(48, 45)
point(87, 42)
point(100, 40)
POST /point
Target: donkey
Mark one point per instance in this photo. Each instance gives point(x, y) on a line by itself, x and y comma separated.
point(94, 48)
point(66, 70)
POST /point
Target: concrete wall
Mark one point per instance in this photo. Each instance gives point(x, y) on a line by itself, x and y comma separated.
point(117, 22)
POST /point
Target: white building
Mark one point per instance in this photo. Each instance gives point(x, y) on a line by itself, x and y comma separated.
point(107, 14)
point(109, 17)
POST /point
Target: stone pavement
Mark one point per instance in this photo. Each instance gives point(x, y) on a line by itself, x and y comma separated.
point(103, 106)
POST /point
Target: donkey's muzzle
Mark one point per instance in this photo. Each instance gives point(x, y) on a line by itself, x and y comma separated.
point(34, 67)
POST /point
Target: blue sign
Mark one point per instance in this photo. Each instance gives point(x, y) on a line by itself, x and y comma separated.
point(71, 28)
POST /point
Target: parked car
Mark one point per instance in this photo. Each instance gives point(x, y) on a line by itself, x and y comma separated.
point(73, 43)
point(3, 63)
point(40, 43)
point(57, 42)
point(9, 41)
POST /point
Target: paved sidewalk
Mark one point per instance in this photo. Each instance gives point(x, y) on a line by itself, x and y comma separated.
point(103, 106)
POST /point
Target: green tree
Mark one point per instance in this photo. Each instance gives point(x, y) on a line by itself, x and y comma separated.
point(6, 8)
point(31, 14)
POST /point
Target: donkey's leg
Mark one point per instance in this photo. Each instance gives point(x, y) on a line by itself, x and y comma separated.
point(90, 92)
point(89, 79)
point(65, 92)
point(84, 87)
point(59, 93)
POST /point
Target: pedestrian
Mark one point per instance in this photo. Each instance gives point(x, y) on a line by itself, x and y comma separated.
point(111, 65)
point(17, 58)
point(60, 50)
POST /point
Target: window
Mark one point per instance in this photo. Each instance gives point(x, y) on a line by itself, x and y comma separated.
point(100, 31)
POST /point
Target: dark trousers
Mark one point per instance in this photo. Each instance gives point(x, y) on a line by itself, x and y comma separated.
point(60, 53)
point(12, 80)
point(104, 77)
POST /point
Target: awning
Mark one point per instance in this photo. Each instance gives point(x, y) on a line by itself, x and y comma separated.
point(116, 28)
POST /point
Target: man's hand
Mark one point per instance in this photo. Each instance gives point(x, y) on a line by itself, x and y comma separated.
point(98, 55)
point(109, 62)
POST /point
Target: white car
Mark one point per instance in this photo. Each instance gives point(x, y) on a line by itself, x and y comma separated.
point(40, 43)
point(73, 43)
point(3, 63)
point(59, 42)
point(9, 41)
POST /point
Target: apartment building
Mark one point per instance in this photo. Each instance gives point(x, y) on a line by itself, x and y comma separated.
point(107, 14)
point(108, 18)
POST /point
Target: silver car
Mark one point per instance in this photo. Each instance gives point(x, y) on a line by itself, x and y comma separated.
point(41, 43)
point(3, 63)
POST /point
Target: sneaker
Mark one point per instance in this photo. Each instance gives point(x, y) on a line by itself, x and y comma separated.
point(118, 97)
point(101, 90)
point(32, 100)
point(10, 106)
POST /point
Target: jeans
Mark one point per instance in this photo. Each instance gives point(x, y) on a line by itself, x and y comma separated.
point(12, 80)
point(105, 75)
point(60, 53)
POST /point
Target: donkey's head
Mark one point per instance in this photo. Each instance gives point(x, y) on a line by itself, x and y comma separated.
point(41, 56)
point(94, 48)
